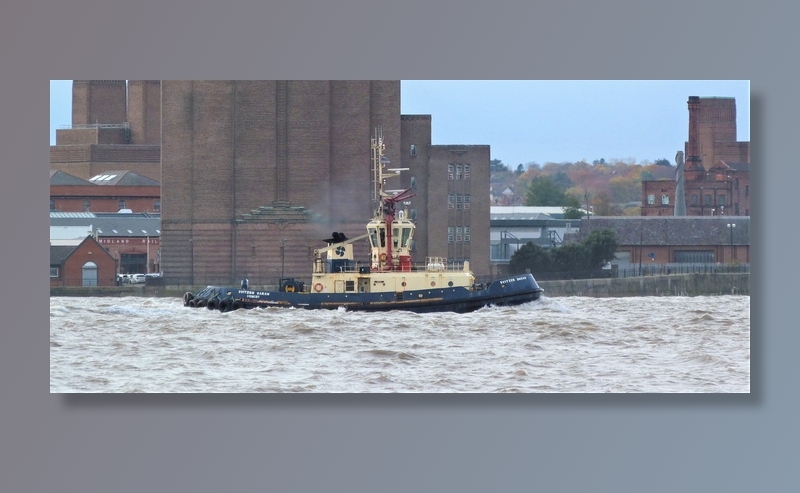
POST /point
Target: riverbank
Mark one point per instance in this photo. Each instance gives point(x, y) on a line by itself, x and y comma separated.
point(707, 284)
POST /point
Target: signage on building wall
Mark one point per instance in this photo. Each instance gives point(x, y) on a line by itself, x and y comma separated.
point(143, 241)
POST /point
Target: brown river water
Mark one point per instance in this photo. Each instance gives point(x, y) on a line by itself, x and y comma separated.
point(669, 344)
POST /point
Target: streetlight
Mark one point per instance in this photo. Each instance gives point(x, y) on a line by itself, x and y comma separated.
point(283, 255)
point(730, 228)
point(191, 266)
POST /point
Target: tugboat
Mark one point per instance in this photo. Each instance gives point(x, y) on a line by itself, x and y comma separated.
point(388, 281)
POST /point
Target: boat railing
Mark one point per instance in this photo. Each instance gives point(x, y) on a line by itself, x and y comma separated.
point(431, 264)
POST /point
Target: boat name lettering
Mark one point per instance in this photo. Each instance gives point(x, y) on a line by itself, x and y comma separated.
point(506, 281)
point(251, 294)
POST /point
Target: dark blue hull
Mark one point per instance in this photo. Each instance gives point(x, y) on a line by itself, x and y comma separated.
point(510, 291)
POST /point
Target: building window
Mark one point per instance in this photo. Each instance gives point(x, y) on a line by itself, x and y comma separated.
point(121, 204)
point(707, 200)
point(450, 201)
point(52, 205)
point(747, 190)
point(651, 199)
point(466, 201)
point(458, 235)
point(413, 214)
point(413, 182)
point(466, 171)
point(466, 234)
point(450, 169)
point(413, 150)
point(665, 199)
point(450, 234)
point(157, 206)
point(458, 172)
point(86, 205)
point(694, 199)
point(721, 200)
point(736, 208)
point(694, 257)
point(53, 271)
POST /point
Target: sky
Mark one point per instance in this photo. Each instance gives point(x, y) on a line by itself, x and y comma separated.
point(541, 121)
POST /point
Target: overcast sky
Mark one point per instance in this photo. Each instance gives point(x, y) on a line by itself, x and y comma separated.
point(528, 121)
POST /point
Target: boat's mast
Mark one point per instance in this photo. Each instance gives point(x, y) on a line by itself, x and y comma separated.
point(383, 200)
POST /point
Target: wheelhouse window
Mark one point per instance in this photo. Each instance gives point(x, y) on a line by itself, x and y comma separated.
point(373, 237)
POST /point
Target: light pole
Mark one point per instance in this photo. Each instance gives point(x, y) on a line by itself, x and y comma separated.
point(283, 256)
point(730, 228)
point(191, 266)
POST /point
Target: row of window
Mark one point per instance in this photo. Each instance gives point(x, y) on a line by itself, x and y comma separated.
point(651, 199)
point(120, 205)
point(458, 171)
point(458, 234)
point(707, 199)
point(458, 201)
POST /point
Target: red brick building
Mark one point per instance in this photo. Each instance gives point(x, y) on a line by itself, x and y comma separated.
point(107, 192)
point(717, 169)
point(671, 240)
point(85, 264)
point(132, 240)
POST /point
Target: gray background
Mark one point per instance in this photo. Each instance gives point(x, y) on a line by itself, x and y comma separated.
point(198, 443)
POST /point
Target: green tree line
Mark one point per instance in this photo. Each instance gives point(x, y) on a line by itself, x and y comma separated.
point(597, 249)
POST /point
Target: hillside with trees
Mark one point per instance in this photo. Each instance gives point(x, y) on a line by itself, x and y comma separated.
point(606, 188)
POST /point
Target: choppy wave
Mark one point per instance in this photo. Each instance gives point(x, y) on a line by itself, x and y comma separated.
point(571, 344)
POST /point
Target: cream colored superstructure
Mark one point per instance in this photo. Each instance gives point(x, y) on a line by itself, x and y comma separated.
point(390, 268)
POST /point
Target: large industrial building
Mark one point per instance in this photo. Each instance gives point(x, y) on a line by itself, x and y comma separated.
point(256, 174)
